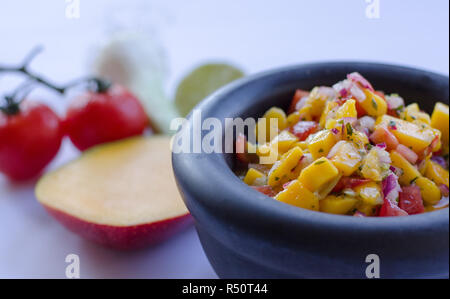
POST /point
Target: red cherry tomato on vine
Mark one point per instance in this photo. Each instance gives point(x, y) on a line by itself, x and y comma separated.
point(102, 116)
point(29, 139)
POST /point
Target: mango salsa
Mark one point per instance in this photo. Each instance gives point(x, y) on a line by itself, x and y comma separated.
point(352, 150)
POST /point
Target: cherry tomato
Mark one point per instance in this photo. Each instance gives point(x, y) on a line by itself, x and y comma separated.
point(29, 139)
point(98, 117)
point(411, 200)
point(303, 129)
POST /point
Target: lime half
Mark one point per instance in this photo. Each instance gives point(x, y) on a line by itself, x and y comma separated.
point(201, 82)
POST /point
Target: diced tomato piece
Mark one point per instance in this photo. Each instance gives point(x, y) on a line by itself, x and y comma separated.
point(349, 183)
point(411, 200)
point(382, 135)
point(303, 129)
point(360, 110)
point(241, 149)
point(266, 190)
point(389, 209)
point(407, 153)
point(299, 94)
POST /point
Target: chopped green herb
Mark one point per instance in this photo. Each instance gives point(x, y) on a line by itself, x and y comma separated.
point(277, 178)
point(369, 146)
point(349, 129)
point(319, 162)
point(374, 104)
point(392, 123)
point(413, 180)
point(321, 150)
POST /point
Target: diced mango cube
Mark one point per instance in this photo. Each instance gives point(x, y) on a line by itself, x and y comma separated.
point(340, 205)
point(273, 121)
point(315, 103)
point(370, 193)
point(279, 172)
point(298, 195)
point(284, 141)
point(320, 143)
point(347, 158)
point(326, 112)
point(366, 209)
point(318, 174)
point(371, 166)
point(348, 109)
point(373, 104)
point(431, 194)
point(416, 137)
point(437, 173)
point(412, 113)
point(252, 175)
point(409, 172)
point(440, 120)
point(358, 138)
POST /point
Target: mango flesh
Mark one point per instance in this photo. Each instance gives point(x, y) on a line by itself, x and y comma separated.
point(125, 183)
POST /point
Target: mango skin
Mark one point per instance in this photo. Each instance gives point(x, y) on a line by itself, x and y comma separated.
point(298, 195)
point(123, 237)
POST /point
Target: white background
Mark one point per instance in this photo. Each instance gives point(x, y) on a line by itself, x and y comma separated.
point(255, 35)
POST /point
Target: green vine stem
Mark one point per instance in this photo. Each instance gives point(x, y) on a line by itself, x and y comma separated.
point(12, 102)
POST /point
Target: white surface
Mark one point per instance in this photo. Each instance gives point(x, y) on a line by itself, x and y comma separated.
point(254, 34)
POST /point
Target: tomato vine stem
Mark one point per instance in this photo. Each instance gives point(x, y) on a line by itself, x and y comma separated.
point(12, 102)
point(95, 84)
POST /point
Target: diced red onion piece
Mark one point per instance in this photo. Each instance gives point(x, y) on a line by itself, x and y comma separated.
point(391, 188)
point(381, 145)
point(358, 78)
point(439, 160)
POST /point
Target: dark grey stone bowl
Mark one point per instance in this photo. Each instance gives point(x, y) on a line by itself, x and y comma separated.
point(248, 235)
